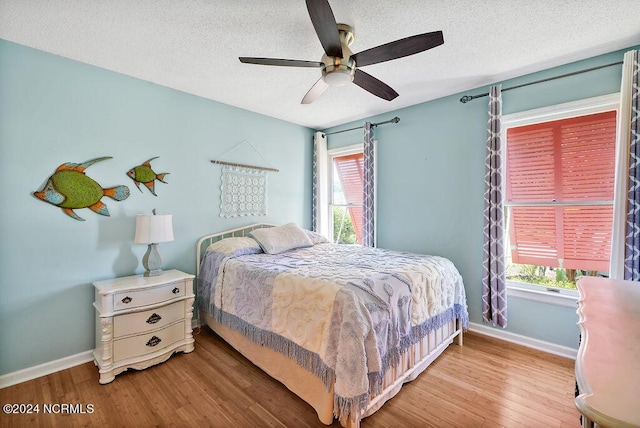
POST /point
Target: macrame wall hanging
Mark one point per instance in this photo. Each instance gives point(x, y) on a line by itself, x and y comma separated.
point(243, 188)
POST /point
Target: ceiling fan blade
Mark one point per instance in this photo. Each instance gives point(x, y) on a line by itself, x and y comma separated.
point(280, 62)
point(314, 93)
point(326, 27)
point(373, 85)
point(399, 48)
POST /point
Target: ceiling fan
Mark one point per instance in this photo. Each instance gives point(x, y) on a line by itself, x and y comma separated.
point(339, 65)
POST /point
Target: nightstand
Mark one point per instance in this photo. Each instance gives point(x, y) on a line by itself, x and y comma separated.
point(142, 321)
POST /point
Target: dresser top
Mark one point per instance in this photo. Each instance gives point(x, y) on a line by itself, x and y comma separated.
point(608, 362)
point(108, 286)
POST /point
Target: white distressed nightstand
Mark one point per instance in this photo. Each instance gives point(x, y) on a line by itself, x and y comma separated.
point(142, 321)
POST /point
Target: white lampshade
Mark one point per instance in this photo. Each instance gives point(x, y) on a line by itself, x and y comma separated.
point(152, 229)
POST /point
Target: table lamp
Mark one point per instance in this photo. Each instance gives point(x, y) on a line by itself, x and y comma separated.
point(153, 229)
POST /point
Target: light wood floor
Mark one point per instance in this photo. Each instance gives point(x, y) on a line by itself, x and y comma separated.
point(486, 383)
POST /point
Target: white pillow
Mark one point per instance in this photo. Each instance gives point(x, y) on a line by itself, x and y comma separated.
point(275, 240)
point(315, 237)
point(236, 246)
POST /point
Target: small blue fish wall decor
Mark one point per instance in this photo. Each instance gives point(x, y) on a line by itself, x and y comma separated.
point(143, 174)
point(69, 188)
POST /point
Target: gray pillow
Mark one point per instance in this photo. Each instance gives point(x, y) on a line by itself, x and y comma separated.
point(275, 240)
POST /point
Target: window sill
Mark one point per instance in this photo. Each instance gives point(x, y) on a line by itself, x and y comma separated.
point(568, 298)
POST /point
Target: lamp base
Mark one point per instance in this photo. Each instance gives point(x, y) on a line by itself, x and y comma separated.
point(152, 261)
point(155, 272)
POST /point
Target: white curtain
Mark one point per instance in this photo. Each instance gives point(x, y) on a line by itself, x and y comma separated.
point(625, 228)
point(320, 200)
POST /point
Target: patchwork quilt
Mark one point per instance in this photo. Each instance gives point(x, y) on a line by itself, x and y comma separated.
point(344, 312)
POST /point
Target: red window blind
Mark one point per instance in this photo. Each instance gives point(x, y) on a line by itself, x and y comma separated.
point(350, 173)
point(560, 181)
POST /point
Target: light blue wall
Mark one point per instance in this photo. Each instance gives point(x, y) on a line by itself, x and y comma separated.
point(52, 111)
point(430, 182)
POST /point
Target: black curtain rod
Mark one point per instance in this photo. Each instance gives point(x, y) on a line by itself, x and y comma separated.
point(394, 120)
point(468, 98)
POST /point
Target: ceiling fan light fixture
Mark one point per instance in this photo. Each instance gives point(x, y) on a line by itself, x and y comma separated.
point(339, 71)
point(338, 78)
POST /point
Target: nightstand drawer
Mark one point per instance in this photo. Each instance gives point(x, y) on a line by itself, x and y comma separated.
point(147, 343)
point(134, 299)
point(153, 319)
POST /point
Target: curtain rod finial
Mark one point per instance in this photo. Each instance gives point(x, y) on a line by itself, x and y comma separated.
point(465, 99)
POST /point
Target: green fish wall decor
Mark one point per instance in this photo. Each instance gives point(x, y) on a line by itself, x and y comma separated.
point(70, 189)
point(145, 175)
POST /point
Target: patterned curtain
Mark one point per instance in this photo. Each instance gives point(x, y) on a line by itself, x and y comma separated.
point(368, 202)
point(632, 229)
point(494, 290)
point(320, 220)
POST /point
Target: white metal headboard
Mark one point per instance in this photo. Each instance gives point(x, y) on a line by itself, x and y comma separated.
point(207, 240)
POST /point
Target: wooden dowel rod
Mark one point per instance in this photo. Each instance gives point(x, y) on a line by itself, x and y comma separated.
point(244, 165)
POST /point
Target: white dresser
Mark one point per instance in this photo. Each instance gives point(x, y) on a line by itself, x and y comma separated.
point(142, 321)
point(608, 361)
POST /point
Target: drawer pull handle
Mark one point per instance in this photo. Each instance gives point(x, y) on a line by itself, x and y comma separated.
point(127, 300)
point(153, 341)
point(175, 290)
point(154, 318)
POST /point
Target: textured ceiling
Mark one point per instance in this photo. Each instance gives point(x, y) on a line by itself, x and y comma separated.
point(194, 45)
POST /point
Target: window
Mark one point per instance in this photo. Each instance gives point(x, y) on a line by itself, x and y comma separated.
point(345, 200)
point(559, 191)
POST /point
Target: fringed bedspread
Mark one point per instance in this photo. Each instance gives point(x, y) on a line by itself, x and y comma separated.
point(343, 312)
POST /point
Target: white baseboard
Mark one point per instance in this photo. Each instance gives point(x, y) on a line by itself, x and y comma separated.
point(540, 345)
point(45, 369)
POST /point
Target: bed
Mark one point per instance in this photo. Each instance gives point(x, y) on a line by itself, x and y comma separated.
point(341, 326)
